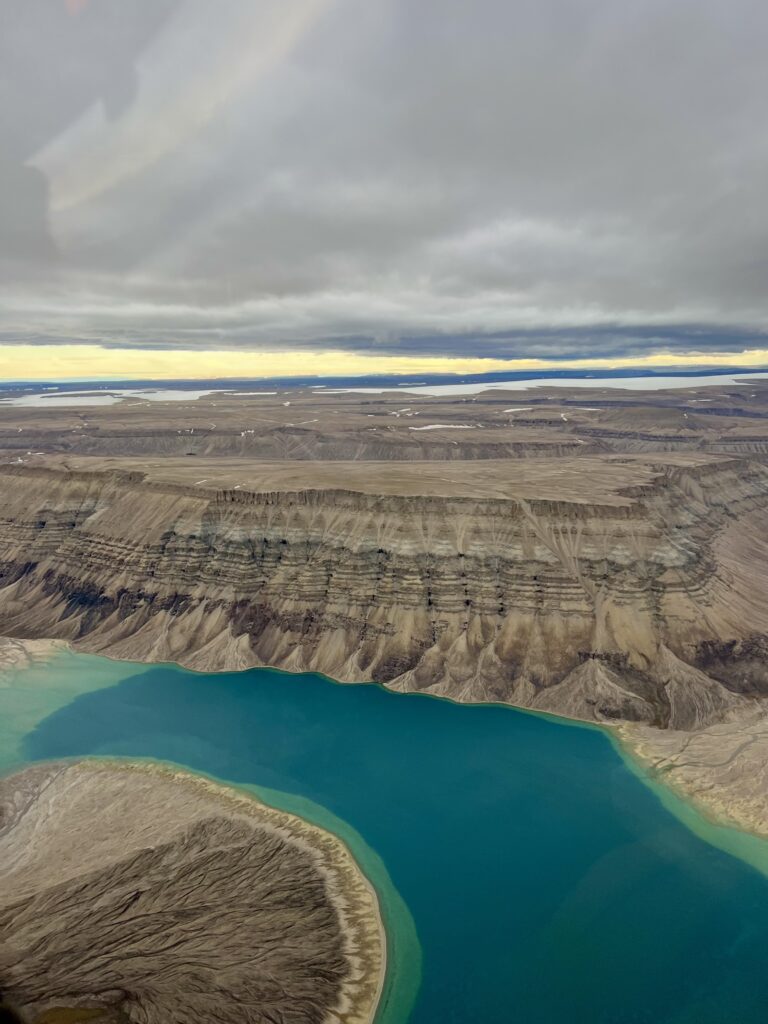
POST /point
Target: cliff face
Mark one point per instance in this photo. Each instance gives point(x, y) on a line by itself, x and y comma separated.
point(649, 610)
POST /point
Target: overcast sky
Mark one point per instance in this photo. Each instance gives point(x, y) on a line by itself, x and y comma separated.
point(432, 178)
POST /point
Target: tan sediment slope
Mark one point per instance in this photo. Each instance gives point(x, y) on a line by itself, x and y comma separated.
point(24, 653)
point(135, 892)
point(593, 555)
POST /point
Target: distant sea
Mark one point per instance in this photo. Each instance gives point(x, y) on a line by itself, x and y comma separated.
point(58, 393)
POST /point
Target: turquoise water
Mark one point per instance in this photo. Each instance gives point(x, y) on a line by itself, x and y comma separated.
point(547, 884)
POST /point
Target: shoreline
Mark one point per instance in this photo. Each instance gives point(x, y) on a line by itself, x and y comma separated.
point(401, 951)
point(307, 832)
point(622, 734)
point(632, 749)
point(243, 795)
point(346, 886)
point(15, 653)
point(742, 838)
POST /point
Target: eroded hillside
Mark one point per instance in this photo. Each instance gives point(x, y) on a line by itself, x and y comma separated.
point(617, 609)
point(619, 587)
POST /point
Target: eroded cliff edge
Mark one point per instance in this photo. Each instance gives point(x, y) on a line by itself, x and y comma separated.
point(646, 610)
point(196, 901)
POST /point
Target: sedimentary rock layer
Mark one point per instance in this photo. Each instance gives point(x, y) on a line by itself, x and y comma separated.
point(646, 605)
point(642, 610)
point(133, 893)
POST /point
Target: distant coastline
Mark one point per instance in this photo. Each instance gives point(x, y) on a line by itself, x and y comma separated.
point(104, 392)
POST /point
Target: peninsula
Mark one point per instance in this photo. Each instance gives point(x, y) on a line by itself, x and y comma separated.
point(197, 901)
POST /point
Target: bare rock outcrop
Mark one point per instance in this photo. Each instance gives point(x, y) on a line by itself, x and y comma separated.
point(650, 609)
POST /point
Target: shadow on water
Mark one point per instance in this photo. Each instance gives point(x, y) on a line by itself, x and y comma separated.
point(545, 881)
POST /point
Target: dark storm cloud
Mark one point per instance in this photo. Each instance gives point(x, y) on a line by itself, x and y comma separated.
point(553, 178)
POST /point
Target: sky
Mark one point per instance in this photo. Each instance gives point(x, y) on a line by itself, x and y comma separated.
point(241, 188)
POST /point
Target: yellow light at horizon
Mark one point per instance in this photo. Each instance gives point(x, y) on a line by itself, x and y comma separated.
point(80, 362)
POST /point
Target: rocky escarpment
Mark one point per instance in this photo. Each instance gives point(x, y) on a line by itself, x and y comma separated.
point(137, 893)
point(288, 443)
point(648, 609)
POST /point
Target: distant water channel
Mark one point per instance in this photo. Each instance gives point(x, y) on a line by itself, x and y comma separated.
point(547, 884)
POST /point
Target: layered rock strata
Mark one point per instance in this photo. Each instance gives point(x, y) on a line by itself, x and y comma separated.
point(648, 608)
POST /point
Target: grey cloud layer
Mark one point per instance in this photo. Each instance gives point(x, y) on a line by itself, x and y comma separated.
point(510, 178)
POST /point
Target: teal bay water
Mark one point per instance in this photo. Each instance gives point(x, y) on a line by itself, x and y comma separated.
point(546, 883)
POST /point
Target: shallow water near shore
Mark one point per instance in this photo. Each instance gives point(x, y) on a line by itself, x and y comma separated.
point(546, 881)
